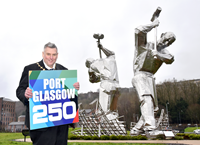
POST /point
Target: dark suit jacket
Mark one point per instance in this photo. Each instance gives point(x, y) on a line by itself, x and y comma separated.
point(23, 84)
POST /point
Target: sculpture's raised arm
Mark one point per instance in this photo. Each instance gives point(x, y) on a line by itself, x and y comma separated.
point(106, 51)
point(147, 28)
point(141, 36)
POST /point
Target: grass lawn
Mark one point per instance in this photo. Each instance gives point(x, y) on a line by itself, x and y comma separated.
point(191, 129)
point(8, 139)
point(112, 144)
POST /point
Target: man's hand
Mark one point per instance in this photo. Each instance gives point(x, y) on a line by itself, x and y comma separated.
point(154, 53)
point(99, 45)
point(156, 23)
point(76, 85)
point(28, 93)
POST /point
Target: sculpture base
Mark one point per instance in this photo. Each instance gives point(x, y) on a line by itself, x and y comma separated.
point(101, 123)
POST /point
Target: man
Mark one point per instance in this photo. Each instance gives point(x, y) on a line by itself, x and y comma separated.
point(105, 71)
point(47, 136)
point(146, 63)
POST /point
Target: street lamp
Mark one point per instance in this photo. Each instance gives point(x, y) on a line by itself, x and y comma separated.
point(196, 125)
point(167, 114)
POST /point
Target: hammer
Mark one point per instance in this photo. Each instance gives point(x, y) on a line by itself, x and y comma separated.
point(99, 36)
point(155, 16)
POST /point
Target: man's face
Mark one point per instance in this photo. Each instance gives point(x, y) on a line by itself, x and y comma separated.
point(166, 40)
point(50, 56)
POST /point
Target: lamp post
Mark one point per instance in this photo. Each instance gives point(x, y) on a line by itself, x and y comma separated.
point(196, 125)
point(167, 114)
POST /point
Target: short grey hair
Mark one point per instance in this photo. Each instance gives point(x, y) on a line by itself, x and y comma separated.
point(50, 45)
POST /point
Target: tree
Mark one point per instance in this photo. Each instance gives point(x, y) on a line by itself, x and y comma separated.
point(128, 104)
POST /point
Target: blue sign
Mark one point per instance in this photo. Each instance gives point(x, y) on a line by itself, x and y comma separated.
point(54, 101)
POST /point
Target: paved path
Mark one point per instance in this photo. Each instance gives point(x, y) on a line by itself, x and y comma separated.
point(187, 142)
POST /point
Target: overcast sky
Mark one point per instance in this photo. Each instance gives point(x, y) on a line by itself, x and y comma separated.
point(25, 26)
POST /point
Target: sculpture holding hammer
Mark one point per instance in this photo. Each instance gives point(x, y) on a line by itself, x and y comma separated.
point(148, 59)
point(104, 70)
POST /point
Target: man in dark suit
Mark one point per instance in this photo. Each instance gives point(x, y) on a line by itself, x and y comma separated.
point(57, 135)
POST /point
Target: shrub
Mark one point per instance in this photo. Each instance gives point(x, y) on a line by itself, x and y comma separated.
point(186, 136)
point(87, 137)
point(113, 137)
point(95, 137)
point(141, 137)
point(80, 137)
point(72, 137)
point(105, 137)
point(160, 137)
point(134, 138)
point(122, 137)
point(178, 138)
point(180, 134)
point(129, 137)
point(194, 136)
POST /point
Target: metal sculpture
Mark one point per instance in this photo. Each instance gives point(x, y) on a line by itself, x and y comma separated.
point(148, 59)
point(105, 121)
point(104, 70)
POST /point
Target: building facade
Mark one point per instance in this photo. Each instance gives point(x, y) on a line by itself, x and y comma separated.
point(7, 112)
point(17, 126)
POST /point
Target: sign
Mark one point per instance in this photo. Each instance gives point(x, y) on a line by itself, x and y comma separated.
point(54, 101)
point(168, 133)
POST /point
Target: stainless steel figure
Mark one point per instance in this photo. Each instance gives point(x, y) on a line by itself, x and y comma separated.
point(105, 71)
point(147, 61)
